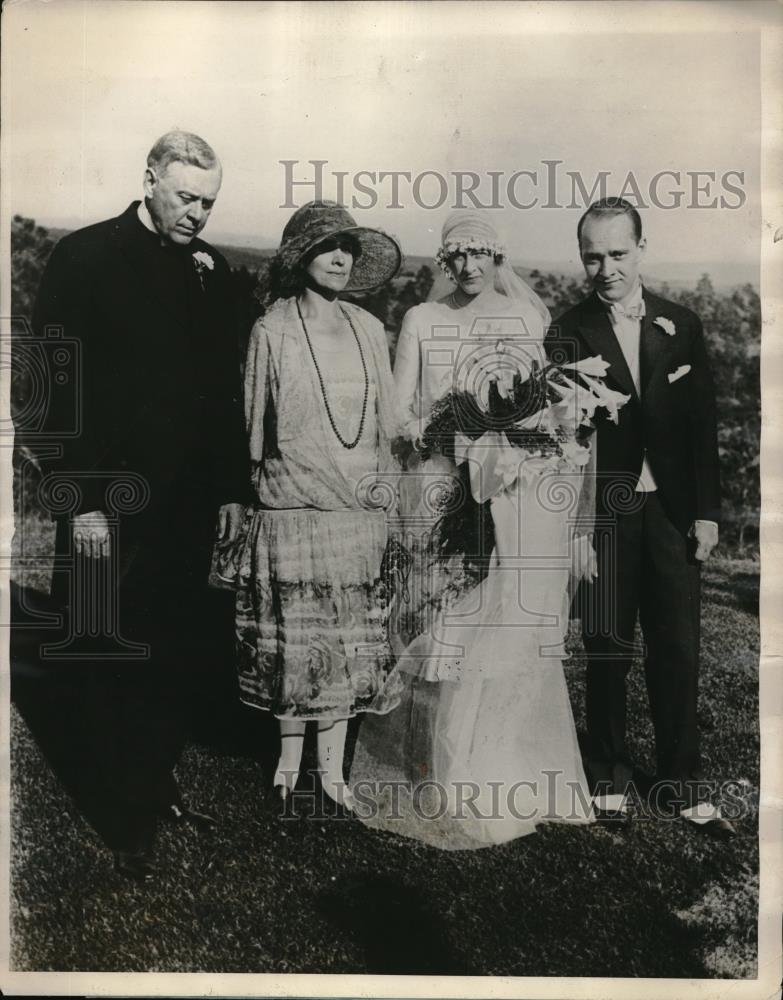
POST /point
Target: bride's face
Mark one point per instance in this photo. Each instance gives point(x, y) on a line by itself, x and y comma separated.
point(473, 270)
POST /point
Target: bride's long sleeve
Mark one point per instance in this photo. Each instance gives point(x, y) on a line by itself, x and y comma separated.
point(407, 373)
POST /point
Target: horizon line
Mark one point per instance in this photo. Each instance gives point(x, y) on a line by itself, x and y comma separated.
point(245, 242)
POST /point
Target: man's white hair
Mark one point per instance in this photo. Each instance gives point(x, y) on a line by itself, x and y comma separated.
point(181, 147)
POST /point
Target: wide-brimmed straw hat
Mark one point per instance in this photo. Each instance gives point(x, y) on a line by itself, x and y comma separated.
point(316, 221)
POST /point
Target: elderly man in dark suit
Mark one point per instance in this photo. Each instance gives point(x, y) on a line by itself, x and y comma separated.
point(658, 506)
point(159, 461)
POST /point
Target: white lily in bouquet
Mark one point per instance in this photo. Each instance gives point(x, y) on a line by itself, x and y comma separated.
point(592, 371)
point(544, 410)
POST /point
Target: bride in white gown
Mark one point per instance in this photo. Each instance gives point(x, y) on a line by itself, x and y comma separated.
point(483, 746)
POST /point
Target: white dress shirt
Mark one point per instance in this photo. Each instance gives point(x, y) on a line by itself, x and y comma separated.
point(627, 329)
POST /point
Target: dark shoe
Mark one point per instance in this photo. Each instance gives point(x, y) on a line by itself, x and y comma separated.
point(182, 816)
point(643, 783)
point(718, 829)
point(136, 865)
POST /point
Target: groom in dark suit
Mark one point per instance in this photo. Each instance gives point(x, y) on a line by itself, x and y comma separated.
point(657, 511)
point(159, 461)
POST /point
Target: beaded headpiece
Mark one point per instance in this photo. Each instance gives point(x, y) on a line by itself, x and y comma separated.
point(464, 231)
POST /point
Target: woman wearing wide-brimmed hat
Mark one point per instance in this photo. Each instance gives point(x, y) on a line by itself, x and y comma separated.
point(321, 410)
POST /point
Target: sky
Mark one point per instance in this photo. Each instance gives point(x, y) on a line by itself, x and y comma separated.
point(88, 87)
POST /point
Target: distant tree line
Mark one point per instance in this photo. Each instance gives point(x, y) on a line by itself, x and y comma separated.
point(732, 324)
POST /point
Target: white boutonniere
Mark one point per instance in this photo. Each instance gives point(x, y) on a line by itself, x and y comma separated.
point(666, 325)
point(203, 262)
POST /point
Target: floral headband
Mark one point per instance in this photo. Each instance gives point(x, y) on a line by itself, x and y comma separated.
point(451, 249)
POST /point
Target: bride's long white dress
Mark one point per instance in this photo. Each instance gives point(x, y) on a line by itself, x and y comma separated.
point(483, 746)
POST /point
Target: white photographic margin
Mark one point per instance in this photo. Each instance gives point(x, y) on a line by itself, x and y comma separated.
point(582, 17)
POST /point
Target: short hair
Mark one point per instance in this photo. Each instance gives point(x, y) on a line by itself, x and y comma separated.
point(181, 147)
point(608, 207)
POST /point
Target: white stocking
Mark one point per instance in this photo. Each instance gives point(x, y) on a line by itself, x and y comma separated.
point(291, 744)
point(331, 748)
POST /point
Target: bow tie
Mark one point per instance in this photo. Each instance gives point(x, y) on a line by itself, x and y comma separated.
point(629, 312)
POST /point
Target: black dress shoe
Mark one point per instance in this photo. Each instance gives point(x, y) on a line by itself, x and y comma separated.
point(136, 865)
point(643, 783)
point(718, 828)
point(182, 816)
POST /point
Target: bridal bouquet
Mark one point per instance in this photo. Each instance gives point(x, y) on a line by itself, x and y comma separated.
point(542, 411)
point(545, 410)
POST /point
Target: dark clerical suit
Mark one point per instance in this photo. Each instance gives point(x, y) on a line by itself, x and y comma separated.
point(161, 446)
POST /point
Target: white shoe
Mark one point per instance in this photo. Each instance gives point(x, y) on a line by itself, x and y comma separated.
point(339, 792)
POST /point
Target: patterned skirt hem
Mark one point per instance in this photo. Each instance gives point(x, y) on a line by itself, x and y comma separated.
point(326, 715)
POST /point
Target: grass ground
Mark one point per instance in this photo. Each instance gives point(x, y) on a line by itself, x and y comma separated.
point(329, 896)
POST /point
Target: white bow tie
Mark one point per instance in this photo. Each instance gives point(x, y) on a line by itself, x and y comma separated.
point(629, 312)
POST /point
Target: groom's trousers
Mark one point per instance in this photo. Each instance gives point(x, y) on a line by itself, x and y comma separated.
point(646, 572)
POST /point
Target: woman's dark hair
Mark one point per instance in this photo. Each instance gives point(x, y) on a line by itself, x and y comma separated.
point(347, 242)
point(497, 255)
point(283, 281)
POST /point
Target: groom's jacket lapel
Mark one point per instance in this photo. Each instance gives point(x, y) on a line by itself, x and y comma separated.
point(655, 346)
point(675, 424)
point(596, 329)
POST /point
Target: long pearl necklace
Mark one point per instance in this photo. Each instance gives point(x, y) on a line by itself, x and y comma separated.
point(346, 444)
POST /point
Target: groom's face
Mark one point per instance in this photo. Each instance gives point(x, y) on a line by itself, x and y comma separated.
point(180, 199)
point(611, 255)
